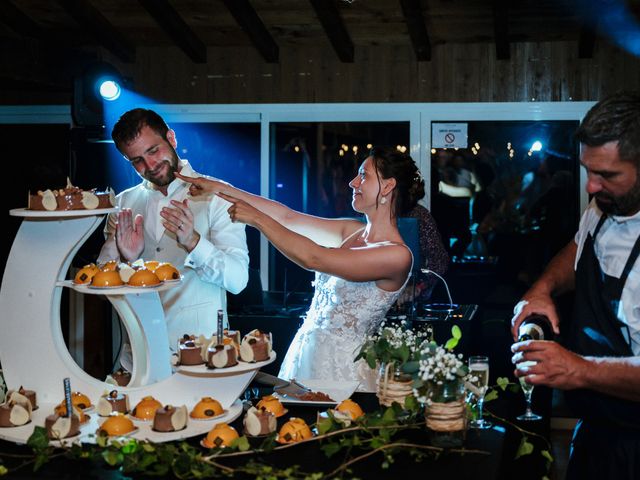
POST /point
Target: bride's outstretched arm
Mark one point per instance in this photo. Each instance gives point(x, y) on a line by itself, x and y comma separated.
point(324, 231)
point(390, 264)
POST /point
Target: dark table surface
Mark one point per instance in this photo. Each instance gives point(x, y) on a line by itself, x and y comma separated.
point(310, 458)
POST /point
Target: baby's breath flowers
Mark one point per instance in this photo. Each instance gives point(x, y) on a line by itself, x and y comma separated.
point(437, 366)
point(392, 343)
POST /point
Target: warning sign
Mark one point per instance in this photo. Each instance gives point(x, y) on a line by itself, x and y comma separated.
point(448, 135)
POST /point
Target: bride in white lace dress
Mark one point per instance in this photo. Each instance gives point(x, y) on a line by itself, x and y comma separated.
point(360, 269)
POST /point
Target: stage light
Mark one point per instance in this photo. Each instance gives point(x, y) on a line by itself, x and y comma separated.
point(536, 146)
point(109, 90)
point(98, 83)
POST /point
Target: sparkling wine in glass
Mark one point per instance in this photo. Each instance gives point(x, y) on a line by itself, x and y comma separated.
point(527, 389)
point(479, 371)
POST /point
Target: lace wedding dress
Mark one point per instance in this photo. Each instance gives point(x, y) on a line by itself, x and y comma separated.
point(340, 317)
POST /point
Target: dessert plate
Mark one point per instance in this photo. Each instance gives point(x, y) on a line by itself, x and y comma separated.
point(337, 390)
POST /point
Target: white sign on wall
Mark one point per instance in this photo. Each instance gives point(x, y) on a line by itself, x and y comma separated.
point(449, 135)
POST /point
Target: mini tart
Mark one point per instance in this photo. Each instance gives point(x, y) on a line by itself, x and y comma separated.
point(167, 272)
point(85, 274)
point(259, 422)
point(15, 412)
point(107, 278)
point(146, 408)
point(222, 435)
point(255, 346)
point(120, 377)
point(273, 405)
point(60, 426)
point(112, 402)
point(206, 408)
point(116, 424)
point(29, 394)
point(144, 278)
point(295, 430)
point(61, 411)
point(350, 407)
point(190, 350)
point(170, 419)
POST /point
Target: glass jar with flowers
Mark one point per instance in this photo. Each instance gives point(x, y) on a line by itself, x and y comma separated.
point(389, 349)
point(439, 383)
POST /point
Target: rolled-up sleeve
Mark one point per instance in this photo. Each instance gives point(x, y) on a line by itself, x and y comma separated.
point(221, 256)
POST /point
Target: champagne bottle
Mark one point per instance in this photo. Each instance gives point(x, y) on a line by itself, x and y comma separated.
point(535, 327)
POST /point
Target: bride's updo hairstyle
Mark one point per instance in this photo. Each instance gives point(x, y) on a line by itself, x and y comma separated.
point(391, 163)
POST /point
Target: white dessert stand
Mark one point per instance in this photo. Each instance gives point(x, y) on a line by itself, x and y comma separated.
point(33, 352)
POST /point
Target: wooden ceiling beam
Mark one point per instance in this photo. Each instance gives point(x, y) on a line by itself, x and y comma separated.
point(95, 24)
point(501, 29)
point(329, 16)
point(18, 21)
point(417, 29)
point(176, 28)
point(255, 29)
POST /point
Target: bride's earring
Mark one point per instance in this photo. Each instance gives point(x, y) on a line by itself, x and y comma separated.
point(383, 200)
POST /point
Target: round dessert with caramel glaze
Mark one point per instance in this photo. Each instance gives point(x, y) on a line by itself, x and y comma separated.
point(85, 274)
point(80, 400)
point(110, 266)
point(206, 408)
point(273, 405)
point(295, 430)
point(61, 411)
point(116, 424)
point(151, 265)
point(108, 278)
point(146, 408)
point(167, 272)
point(222, 435)
point(350, 407)
point(144, 278)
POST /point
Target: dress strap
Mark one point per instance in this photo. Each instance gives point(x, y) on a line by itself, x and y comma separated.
point(352, 235)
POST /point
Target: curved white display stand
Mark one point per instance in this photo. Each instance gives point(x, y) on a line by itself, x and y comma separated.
point(32, 349)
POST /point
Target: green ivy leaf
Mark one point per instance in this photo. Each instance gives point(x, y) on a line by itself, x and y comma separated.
point(451, 343)
point(3, 470)
point(389, 416)
point(411, 403)
point(371, 359)
point(241, 444)
point(411, 367)
point(331, 449)
point(491, 395)
point(547, 455)
point(525, 448)
point(503, 383)
point(41, 459)
point(324, 425)
point(130, 447)
point(147, 447)
point(456, 332)
point(38, 439)
point(112, 457)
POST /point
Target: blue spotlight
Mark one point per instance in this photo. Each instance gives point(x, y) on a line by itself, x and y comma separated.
point(536, 146)
point(109, 90)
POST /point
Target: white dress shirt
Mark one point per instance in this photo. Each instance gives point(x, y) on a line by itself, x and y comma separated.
point(219, 262)
point(612, 247)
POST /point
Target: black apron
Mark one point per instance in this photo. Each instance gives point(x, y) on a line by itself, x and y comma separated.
point(606, 442)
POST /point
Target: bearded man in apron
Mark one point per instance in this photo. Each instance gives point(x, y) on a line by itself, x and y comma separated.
point(599, 364)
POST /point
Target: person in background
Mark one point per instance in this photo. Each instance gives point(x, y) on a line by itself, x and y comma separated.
point(599, 365)
point(159, 221)
point(360, 268)
point(434, 255)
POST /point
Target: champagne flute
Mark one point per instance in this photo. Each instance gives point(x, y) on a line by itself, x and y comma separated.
point(479, 371)
point(527, 389)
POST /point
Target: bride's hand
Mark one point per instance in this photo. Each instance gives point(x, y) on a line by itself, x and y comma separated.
point(200, 185)
point(241, 211)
